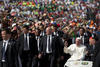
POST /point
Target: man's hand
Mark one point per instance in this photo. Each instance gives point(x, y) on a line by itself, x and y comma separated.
point(62, 57)
point(39, 56)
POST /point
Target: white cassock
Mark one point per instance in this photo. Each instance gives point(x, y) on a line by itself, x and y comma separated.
point(76, 52)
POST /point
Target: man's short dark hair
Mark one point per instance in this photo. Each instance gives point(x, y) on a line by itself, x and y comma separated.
point(8, 31)
point(82, 29)
point(26, 26)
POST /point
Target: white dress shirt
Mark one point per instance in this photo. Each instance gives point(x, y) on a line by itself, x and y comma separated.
point(76, 52)
point(6, 44)
point(82, 38)
point(38, 42)
point(47, 48)
point(27, 39)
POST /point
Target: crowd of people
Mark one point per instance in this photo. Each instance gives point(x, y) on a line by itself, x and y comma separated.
point(49, 34)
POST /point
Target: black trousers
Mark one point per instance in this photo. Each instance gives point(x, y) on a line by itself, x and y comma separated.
point(26, 59)
point(62, 62)
point(4, 64)
point(48, 60)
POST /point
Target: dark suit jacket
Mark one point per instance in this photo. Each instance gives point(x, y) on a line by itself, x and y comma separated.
point(10, 54)
point(32, 44)
point(91, 51)
point(97, 48)
point(86, 39)
point(56, 46)
point(96, 62)
point(39, 42)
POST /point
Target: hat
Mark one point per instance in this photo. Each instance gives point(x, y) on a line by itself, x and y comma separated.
point(78, 38)
point(14, 24)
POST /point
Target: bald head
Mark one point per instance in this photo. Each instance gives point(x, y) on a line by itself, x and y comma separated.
point(92, 41)
point(48, 30)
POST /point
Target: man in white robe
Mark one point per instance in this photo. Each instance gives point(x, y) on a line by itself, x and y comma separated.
point(77, 51)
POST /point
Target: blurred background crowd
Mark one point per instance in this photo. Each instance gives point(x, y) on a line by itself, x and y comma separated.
point(65, 20)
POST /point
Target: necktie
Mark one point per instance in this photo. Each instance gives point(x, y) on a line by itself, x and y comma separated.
point(38, 42)
point(49, 44)
point(93, 47)
point(25, 43)
point(3, 52)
